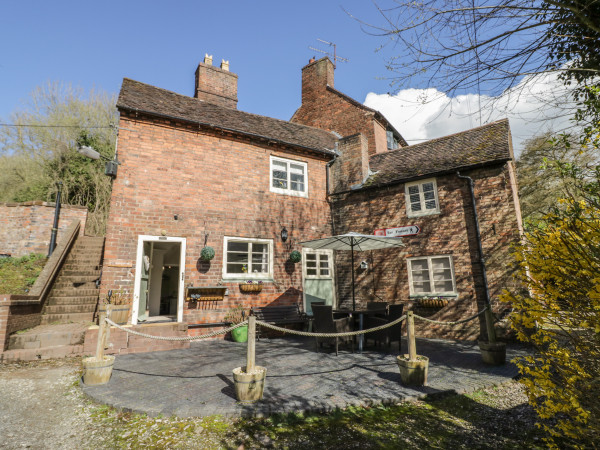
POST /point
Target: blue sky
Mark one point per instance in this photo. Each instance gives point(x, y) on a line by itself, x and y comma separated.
point(96, 44)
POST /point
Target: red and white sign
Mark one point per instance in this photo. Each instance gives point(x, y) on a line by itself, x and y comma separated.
point(410, 230)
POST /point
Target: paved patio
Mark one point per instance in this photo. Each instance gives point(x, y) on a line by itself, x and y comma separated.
point(198, 381)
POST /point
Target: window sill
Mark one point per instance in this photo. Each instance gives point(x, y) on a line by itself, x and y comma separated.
point(289, 192)
point(432, 213)
point(245, 280)
point(420, 296)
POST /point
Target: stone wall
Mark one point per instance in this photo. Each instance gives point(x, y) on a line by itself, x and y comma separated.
point(218, 185)
point(26, 227)
point(451, 232)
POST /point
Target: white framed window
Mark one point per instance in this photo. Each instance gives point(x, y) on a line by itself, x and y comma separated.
point(247, 258)
point(422, 198)
point(289, 177)
point(431, 275)
point(318, 264)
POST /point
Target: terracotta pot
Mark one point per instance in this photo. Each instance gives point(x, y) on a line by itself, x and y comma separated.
point(249, 387)
point(413, 373)
point(97, 371)
point(493, 353)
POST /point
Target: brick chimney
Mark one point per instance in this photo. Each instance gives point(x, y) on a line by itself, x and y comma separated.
point(316, 76)
point(216, 85)
point(351, 168)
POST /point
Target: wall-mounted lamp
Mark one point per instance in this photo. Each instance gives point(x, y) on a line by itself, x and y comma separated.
point(111, 165)
point(284, 234)
point(364, 265)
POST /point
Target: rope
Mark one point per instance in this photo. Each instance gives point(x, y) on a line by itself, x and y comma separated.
point(327, 335)
point(451, 323)
point(171, 338)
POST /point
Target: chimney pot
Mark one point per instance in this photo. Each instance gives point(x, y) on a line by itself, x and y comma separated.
point(225, 65)
point(208, 59)
point(311, 60)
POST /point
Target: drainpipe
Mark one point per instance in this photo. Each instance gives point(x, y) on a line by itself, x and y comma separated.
point(56, 217)
point(489, 323)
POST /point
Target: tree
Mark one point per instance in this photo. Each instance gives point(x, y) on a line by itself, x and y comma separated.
point(492, 45)
point(541, 182)
point(41, 149)
point(559, 312)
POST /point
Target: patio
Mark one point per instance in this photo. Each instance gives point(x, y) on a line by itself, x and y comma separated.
point(198, 381)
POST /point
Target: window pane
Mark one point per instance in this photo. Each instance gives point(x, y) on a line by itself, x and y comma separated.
point(441, 275)
point(311, 271)
point(237, 246)
point(260, 248)
point(440, 263)
point(279, 174)
point(235, 268)
point(415, 198)
point(421, 288)
point(420, 276)
point(427, 187)
point(324, 272)
point(430, 204)
point(260, 268)
point(311, 264)
point(443, 286)
point(430, 195)
point(413, 190)
point(415, 206)
point(311, 256)
point(419, 264)
point(237, 257)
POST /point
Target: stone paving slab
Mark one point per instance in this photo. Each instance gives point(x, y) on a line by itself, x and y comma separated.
point(198, 381)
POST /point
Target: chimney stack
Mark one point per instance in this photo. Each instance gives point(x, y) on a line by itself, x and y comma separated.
point(216, 85)
point(316, 76)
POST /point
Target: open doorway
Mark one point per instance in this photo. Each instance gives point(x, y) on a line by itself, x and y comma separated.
point(158, 293)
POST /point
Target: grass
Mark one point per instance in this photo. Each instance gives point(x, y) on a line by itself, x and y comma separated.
point(450, 421)
point(17, 275)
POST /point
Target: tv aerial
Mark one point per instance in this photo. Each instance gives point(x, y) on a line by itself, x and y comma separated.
point(335, 57)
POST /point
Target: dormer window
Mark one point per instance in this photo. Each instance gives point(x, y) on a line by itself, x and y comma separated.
point(392, 140)
point(289, 177)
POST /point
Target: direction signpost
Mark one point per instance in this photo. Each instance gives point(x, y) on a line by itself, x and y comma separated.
point(410, 230)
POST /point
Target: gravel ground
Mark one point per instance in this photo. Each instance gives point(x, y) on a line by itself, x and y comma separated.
point(42, 407)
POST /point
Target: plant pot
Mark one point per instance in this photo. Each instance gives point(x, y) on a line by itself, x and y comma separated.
point(250, 287)
point(97, 371)
point(493, 353)
point(240, 334)
point(119, 314)
point(413, 373)
point(249, 387)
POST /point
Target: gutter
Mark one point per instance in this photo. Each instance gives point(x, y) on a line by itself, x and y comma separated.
point(230, 130)
point(488, 314)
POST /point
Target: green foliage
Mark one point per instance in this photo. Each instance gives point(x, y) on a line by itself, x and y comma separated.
point(295, 256)
point(34, 158)
point(207, 253)
point(559, 312)
point(17, 275)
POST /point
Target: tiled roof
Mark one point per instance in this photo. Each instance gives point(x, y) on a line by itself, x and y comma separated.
point(149, 99)
point(487, 144)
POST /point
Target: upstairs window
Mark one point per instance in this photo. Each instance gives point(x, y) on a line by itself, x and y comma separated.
point(289, 177)
point(392, 140)
point(422, 198)
point(431, 275)
point(248, 258)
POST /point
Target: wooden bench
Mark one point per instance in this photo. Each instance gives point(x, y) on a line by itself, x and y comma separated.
point(278, 315)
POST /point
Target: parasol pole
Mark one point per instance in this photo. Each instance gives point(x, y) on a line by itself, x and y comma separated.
point(352, 253)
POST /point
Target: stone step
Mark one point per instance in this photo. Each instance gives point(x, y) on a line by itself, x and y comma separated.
point(80, 271)
point(74, 266)
point(61, 285)
point(75, 300)
point(66, 318)
point(45, 339)
point(34, 354)
point(76, 278)
point(75, 292)
point(69, 309)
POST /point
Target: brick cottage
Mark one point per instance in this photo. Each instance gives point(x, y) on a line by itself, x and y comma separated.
point(196, 172)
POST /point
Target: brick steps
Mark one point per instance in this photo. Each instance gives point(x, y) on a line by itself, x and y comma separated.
point(46, 338)
point(53, 310)
point(77, 300)
point(48, 319)
point(35, 354)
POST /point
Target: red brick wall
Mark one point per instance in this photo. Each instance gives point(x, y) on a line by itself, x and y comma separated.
point(451, 232)
point(26, 227)
point(325, 109)
point(219, 186)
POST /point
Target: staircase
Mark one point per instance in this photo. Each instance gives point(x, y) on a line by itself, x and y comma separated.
point(74, 296)
point(69, 308)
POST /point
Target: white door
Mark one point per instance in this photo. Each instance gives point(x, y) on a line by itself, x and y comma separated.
point(318, 278)
point(149, 267)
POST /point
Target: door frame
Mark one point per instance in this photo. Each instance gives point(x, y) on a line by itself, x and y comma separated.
point(138, 273)
point(329, 252)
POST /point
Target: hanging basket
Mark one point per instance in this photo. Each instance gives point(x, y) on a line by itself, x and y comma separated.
point(250, 287)
point(295, 256)
point(207, 254)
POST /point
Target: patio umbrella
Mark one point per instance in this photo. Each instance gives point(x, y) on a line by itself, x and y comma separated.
point(354, 241)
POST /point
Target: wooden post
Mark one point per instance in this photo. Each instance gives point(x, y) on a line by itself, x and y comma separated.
point(251, 344)
point(102, 334)
point(489, 324)
point(410, 334)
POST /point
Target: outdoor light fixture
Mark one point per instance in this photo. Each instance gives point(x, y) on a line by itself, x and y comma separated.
point(110, 168)
point(364, 265)
point(284, 234)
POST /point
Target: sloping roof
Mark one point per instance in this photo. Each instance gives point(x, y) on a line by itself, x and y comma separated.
point(376, 113)
point(480, 146)
point(144, 98)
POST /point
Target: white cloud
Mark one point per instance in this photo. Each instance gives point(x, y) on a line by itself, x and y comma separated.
point(537, 104)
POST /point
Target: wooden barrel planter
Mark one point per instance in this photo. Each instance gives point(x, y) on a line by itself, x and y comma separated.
point(249, 387)
point(97, 371)
point(413, 372)
point(493, 353)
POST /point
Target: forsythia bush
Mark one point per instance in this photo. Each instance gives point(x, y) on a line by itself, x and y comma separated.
point(559, 313)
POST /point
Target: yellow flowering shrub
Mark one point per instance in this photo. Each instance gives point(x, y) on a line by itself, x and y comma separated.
point(558, 312)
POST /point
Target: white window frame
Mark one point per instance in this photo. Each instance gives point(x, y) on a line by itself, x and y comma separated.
point(289, 190)
point(317, 253)
point(430, 268)
point(423, 212)
point(248, 275)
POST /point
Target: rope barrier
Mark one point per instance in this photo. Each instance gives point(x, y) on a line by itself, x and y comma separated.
point(172, 338)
